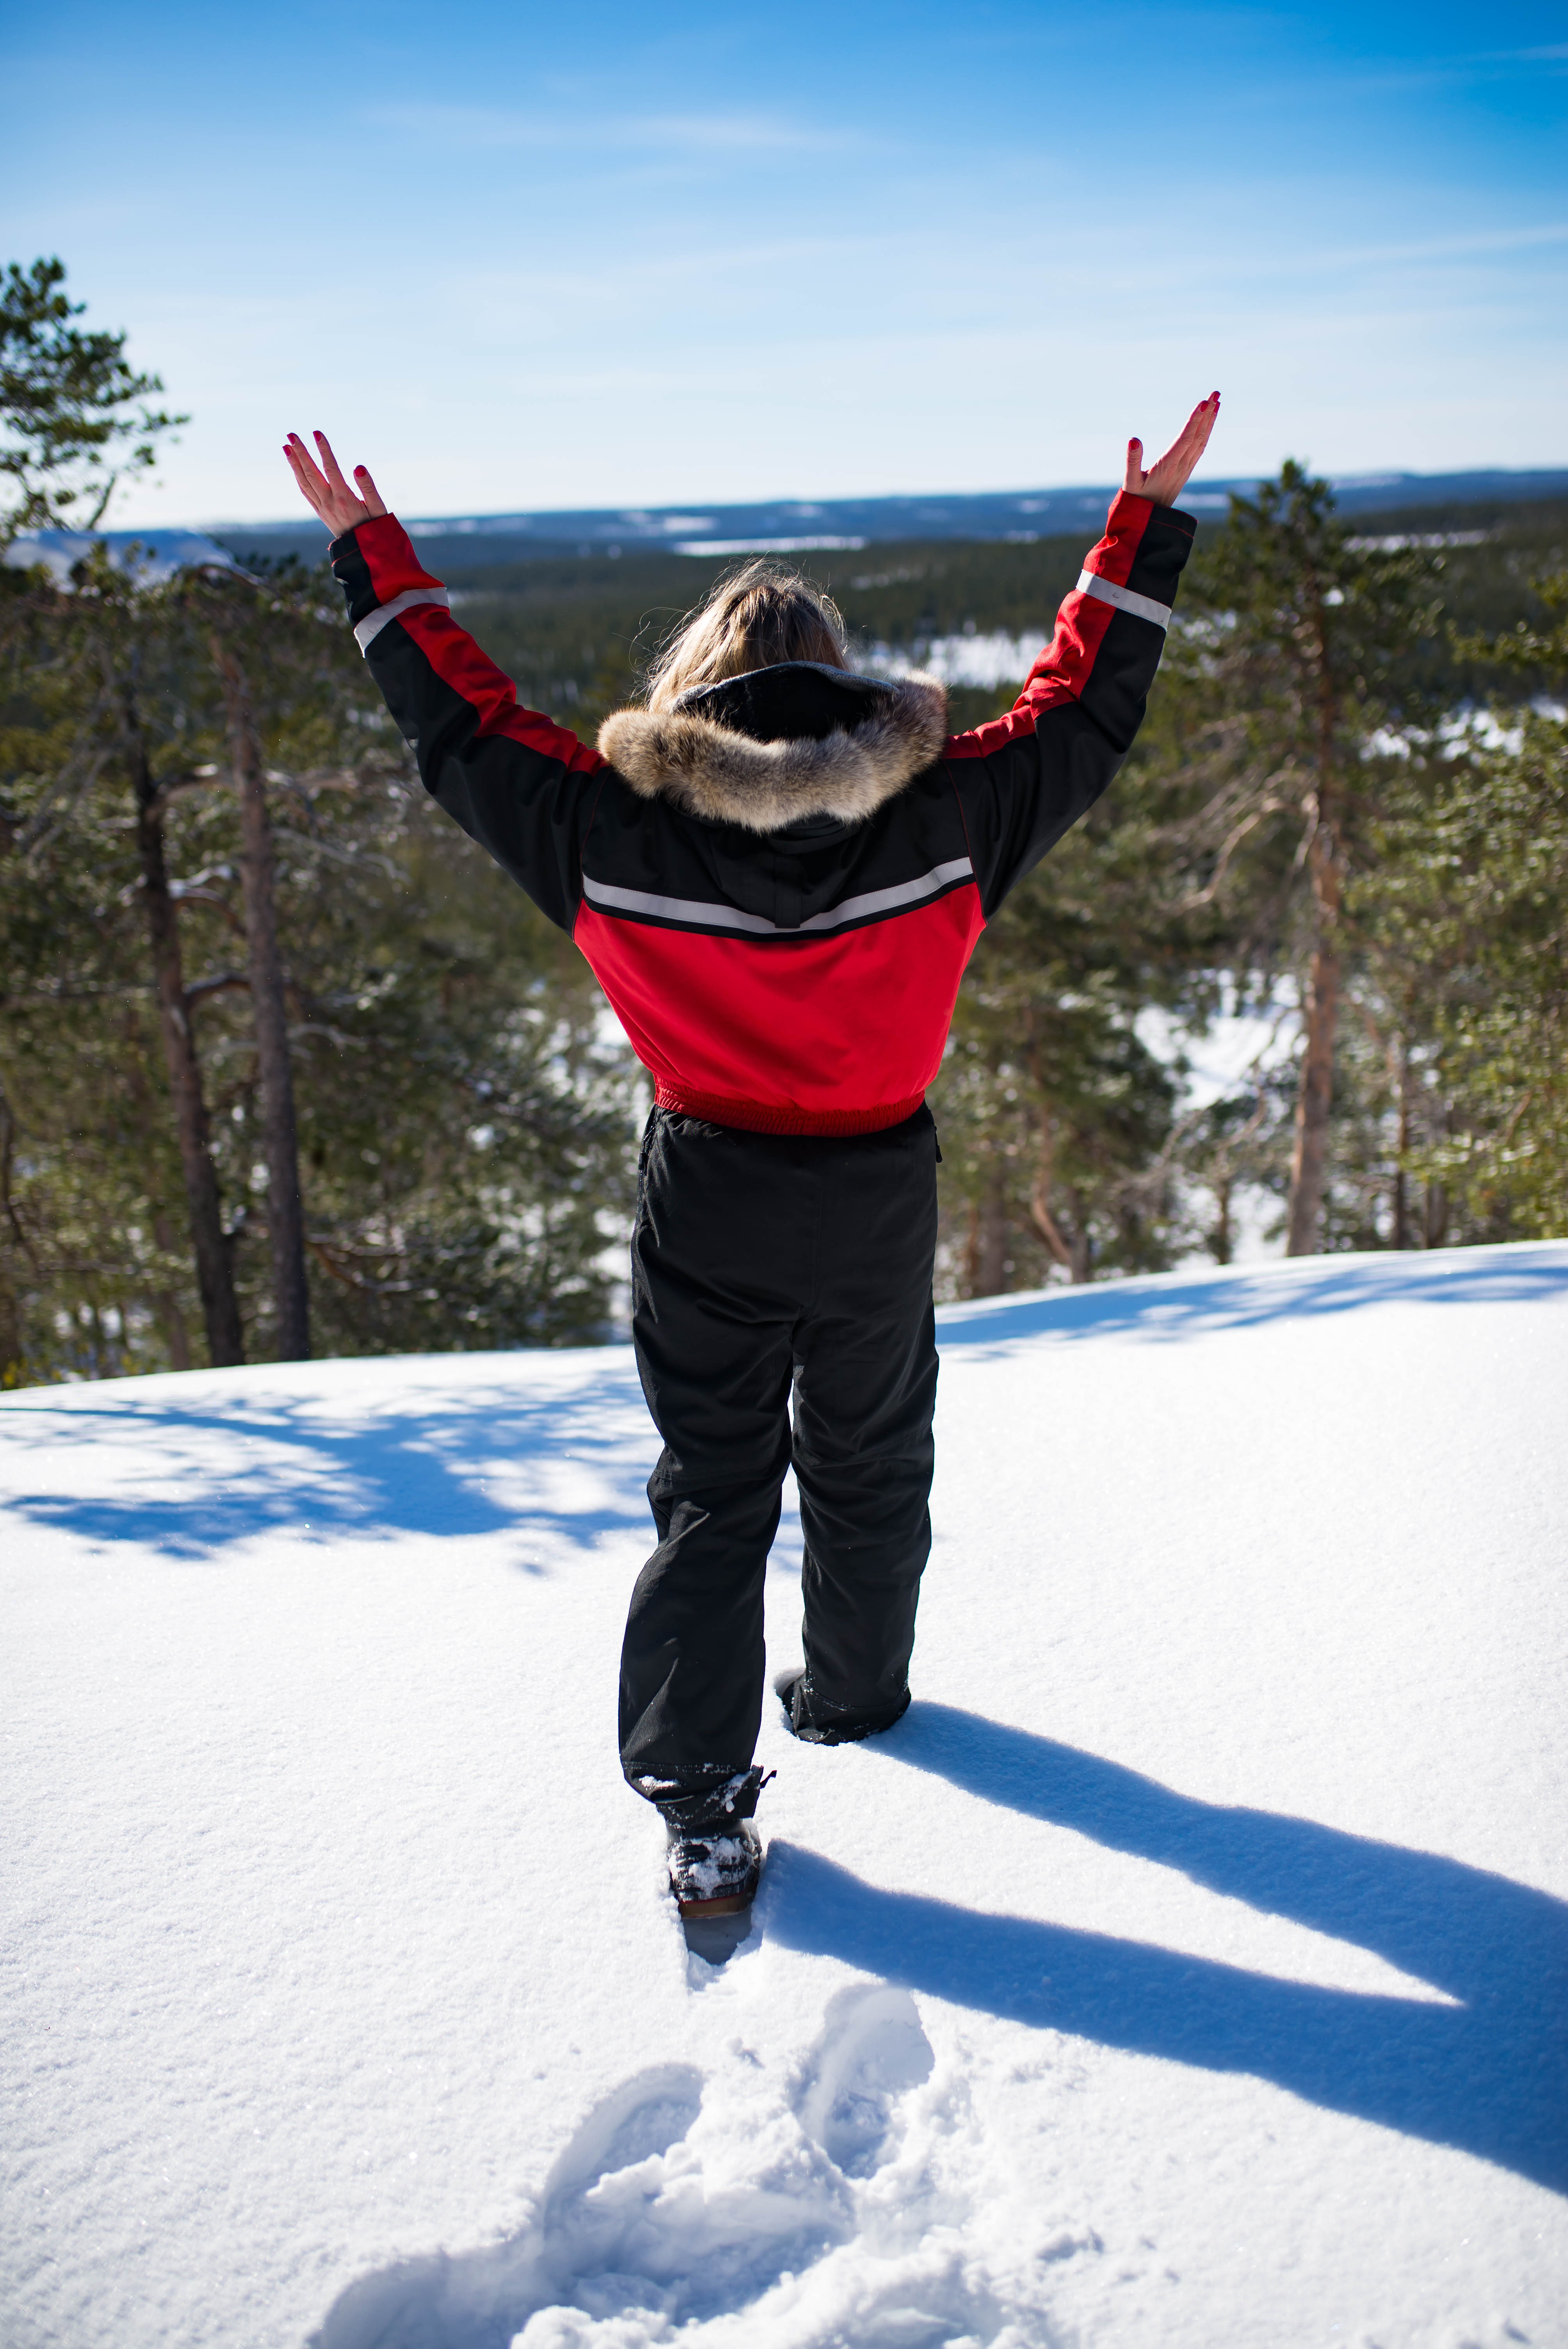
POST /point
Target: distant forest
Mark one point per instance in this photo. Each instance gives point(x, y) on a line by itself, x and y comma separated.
point(576, 633)
point(286, 1066)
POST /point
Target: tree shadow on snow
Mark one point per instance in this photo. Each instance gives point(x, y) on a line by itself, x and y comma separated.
point(1488, 2076)
point(490, 1460)
point(1167, 1308)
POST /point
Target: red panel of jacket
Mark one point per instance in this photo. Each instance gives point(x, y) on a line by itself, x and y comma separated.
point(852, 1027)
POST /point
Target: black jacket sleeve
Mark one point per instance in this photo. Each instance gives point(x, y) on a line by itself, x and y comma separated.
point(521, 786)
point(1024, 780)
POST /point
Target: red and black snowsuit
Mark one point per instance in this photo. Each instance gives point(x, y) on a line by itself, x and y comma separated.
point(779, 884)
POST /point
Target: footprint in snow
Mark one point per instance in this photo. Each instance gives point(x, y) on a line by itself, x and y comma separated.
point(481, 2300)
point(871, 2051)
point(628, 2223)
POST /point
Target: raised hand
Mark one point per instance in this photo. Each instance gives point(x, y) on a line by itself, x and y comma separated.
point(326, 491)
point(1168, 476)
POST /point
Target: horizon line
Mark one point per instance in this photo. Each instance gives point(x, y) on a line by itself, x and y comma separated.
point(694, 514)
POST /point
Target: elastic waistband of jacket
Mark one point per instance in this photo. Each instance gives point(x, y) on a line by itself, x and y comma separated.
point(777, 1117)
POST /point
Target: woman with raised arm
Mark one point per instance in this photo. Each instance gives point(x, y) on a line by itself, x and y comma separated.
point(777, 870)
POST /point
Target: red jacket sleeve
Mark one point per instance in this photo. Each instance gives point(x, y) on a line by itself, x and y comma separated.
point(518, 784)
point(1025, 779)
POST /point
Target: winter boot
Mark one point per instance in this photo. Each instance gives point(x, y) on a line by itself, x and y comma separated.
point(715, 1853)
point(714, 1872)
point(818, 1720)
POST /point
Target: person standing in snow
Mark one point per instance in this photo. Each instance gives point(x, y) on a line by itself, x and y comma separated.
point(777, 870)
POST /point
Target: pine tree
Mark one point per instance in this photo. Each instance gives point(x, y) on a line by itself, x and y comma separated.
point(74, 419)
point(1299, 644)
point(1057, 1113)
point(1468, 906)
point(464, 1126)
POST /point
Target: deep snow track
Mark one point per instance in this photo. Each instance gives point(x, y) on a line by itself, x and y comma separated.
point(1188, 1968)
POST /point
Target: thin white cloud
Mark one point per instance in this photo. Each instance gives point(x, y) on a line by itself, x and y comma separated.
point(515, 127)
point(1445, 248)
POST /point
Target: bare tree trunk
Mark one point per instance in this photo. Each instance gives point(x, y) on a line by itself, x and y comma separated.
point(1078, 1240)
point(1435, 1203)
point(214, 1268)
point(1070, 1250)
point(165, 1305)
point(1400, 1058)
point(1435, 1220)
point(1315, 1096)
point(10, 1335)
point(1220, 1241)
point(987, 1252)
point(1315, 1091)
point(286, 1210)
point(10, 1236)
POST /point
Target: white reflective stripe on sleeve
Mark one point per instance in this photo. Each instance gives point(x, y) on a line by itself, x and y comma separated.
point(730, 918)
point(365, 629)
point(1144, 606)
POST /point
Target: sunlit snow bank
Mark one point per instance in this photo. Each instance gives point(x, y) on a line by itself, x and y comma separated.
point(1187, 1968)
point(990, 659)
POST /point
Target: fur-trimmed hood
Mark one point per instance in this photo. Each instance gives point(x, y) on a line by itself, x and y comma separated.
point(780, 744)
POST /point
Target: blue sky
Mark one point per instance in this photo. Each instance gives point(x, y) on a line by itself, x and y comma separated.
point(525, 256)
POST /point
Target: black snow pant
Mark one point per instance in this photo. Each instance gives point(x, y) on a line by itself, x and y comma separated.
point(765, 1264)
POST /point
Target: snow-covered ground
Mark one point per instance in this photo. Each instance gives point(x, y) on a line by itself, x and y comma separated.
point(1188, 1968)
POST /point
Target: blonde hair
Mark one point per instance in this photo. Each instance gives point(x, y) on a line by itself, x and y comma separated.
point(762, 613)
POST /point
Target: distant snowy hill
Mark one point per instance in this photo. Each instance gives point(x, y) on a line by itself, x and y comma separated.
point(793, 526)
point(1187, 1969)
point(150, 555)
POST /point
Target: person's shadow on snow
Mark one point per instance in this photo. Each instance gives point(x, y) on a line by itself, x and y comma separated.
point(1489, 2074)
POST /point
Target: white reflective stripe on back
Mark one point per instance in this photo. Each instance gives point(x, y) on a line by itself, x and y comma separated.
point(1144, 606)
point(365, 629)
point(669, 909)
point(730, 917)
